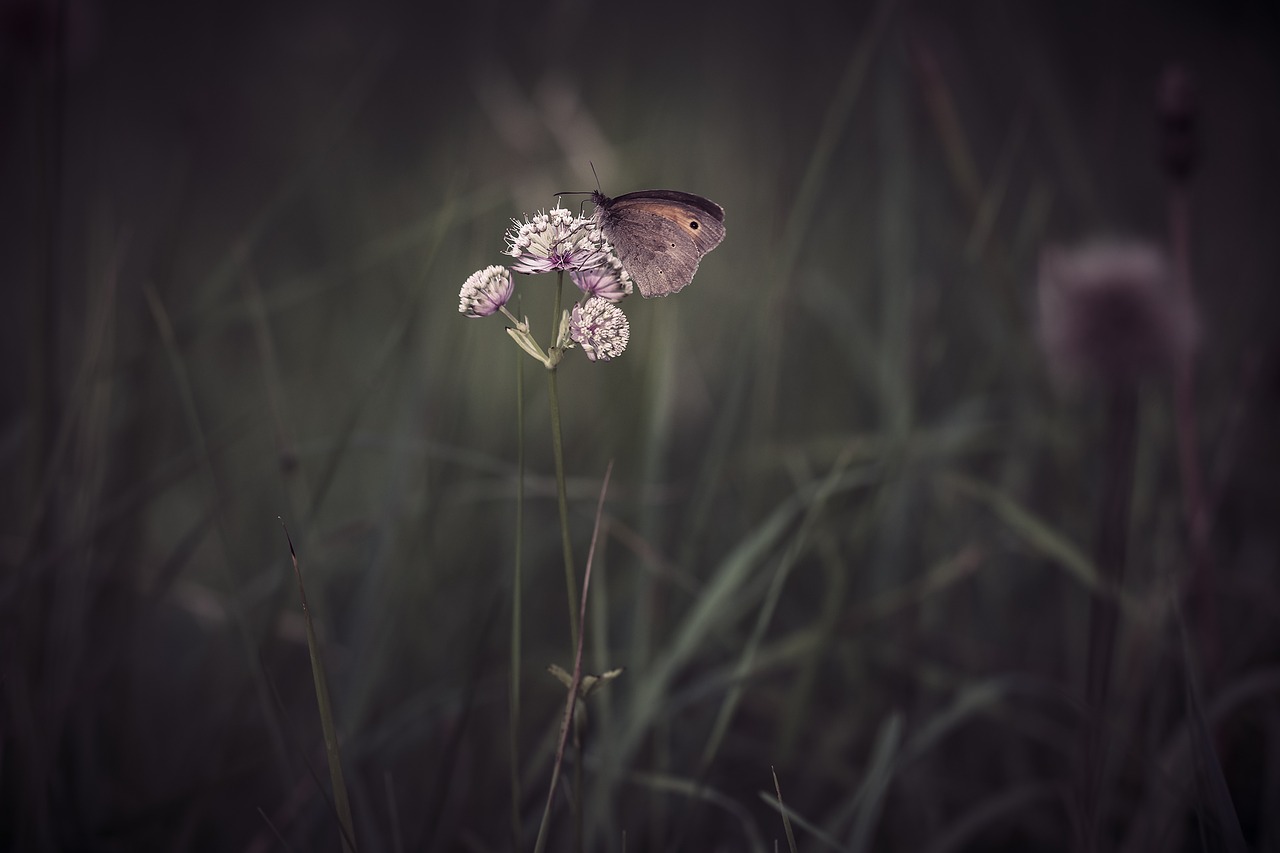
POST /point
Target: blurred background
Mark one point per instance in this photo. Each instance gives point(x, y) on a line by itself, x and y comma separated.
point(852, 532)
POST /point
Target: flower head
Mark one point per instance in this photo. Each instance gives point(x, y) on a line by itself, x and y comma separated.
point(556, 240)
point(608, 281)
point(600, 328)
point(485, 291)
point(1111, 313)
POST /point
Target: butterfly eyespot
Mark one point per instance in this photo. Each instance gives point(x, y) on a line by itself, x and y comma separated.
point(693, 224)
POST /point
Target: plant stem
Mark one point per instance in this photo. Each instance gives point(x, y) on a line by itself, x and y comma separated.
point(1104, 613)
point(566, 543)
point(517, 587)
point(557, 444)
point(1195, 507)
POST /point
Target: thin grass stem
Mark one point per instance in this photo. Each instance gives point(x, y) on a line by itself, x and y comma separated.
point(786, 819)
point(575, 683)
point(332, 749)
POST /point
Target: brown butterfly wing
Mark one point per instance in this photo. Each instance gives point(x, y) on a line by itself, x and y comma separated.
point(660, 236)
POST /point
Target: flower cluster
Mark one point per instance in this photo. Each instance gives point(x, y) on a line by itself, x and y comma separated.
point(559, 241)
point(600, 328)
point(486, 291)
point(608, 281)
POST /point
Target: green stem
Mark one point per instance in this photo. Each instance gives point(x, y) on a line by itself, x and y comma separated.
point(558, 446)
point(517, 588)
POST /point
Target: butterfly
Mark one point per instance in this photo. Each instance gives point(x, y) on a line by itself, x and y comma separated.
point(660, 235)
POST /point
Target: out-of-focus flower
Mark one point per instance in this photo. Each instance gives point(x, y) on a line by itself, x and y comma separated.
point(1109, 312)
point(485, 291)
point(608, 281)
point(600, 328)
point(556, 240)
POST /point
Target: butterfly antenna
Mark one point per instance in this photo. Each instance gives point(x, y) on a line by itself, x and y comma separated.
point(583, 192)
point(575, 192)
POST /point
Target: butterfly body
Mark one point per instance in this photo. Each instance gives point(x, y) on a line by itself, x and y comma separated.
point(660, 235)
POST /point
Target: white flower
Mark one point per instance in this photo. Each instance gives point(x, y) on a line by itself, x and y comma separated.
point(600, 328)
point(485, 291)
point(556, 240)
point(608, 281)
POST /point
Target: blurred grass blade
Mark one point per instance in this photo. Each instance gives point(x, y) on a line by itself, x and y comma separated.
point(806, 207)
point(1039, 536)
point(815, 183)
point(693, 790)
point(790, 814)
point(717, 602)
point(1167, 793)
point(191, 414)
point(274, 831)
point(734, 571)
point(383, 363)
point(1219, 824)
point(345, 104)
point(961, 835)
point(342, 803)
point(936, 579)
point(786, 819)
point(971, 700)
point(393, 815)
point(799, 544)
point(875, 786)
point(446, 760)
